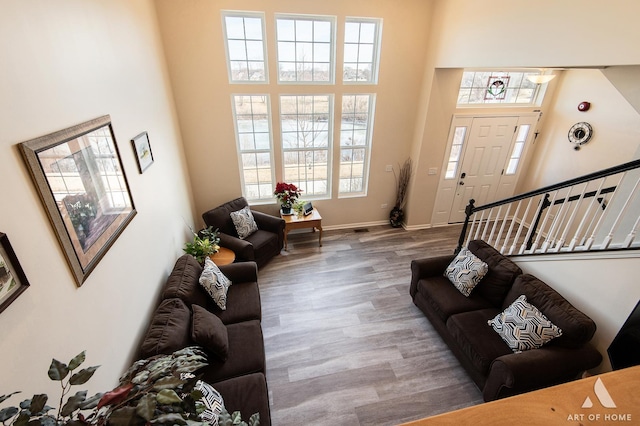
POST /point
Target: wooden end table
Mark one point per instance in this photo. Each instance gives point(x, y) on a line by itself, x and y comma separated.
point(298, 221)
point(224, 256)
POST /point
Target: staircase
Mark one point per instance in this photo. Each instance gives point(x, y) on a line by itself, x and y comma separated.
point(598, 211)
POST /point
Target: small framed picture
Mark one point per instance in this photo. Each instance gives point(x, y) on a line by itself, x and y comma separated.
point(142, 148)
point(12, 279)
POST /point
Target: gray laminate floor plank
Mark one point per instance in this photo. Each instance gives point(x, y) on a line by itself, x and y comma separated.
point(345, 345)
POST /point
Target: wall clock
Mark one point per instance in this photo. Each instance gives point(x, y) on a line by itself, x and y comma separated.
point(580, 133)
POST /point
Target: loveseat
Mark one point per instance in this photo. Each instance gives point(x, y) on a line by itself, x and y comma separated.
point(232, 338)
point(259, 246)
point(463, 323)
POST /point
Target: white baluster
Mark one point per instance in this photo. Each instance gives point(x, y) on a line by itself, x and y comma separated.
point(623, 210)
point(574, 241)
point(511, 225)
point(530, 230)
point(544, 223)
point(493, 228)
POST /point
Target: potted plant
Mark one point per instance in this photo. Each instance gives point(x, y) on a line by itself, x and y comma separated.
point(396, 216)
point(205, 243)
point(158, 390)
point(287, 194)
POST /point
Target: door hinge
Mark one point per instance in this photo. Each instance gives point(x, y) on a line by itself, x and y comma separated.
point(515, 128)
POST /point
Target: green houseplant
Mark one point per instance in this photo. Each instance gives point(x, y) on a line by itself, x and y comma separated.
point(158, 390)
point(205, 243)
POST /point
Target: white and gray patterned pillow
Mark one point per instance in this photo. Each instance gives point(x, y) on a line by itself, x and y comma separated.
point(522, 326)
point(215, 283)
point(466, 271)
point(213, 402)
point(244, 222)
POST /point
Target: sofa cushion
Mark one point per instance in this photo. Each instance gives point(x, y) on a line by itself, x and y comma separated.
point(215, 283)
point(208, 331)
point(243, 304)
point(183, 282)
point(244, 222)
point(246, 353)
point(465, 271)
point(577, 328)
point(169, 329)
point(502, 272)
point(446, 300)
point(480, 344)
point(522, 326)
point(247, 394)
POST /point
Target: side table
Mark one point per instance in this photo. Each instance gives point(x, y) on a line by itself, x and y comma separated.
point(224, 256)
point(295, 221)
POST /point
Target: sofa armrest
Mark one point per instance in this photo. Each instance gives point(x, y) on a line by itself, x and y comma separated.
point(268, 222)
point(537, 368)
point(427, 267)
point(242, 248)
point(243, 272)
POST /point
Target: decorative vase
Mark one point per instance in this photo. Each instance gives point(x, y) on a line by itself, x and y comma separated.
point(396, 216)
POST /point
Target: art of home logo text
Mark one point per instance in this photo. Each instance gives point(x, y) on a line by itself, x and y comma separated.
point(604, 400)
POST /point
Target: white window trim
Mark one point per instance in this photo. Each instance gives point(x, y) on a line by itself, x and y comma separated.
point(369, 147)
point(239, 149)
point(332, 59)
point(376, 51)
point(330, 142)
point(245, 14)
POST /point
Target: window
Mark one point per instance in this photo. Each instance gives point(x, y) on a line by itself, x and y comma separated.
point(306, 129)
point(252, 118)
point(456, 150)
point(305, 49)
point(246, 56)
point(518, 148)
point(355, 142)
point(361, 50)
point(499, 88)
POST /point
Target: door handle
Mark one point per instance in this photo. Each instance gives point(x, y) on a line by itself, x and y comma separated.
point(461, 183)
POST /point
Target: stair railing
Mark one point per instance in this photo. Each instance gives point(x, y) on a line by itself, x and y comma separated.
point(597, 211)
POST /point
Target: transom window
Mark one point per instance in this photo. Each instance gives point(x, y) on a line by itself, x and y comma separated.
point(245, 47)
point(361, 50)
point(355, 142)
point(306, 126)
point(500, 88)
point(305, 49)
point(253, 134)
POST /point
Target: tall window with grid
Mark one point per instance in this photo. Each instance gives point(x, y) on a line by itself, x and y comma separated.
point(305, 49)
point(253, 134)
point(306, 128)
point(356, 127)
point(361, 50)
point(245, 47)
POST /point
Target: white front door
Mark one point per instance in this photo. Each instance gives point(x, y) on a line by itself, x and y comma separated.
point(482, 163)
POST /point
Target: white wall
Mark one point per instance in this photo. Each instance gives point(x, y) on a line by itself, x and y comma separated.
point(63, 63)
point(470, 34)
point(604, 287)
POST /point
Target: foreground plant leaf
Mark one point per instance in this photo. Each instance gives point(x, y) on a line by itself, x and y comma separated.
point(125, 416)
point(169, 419)
point(7, 396)
point(77, 360)
point(168, 396)
point(58, 370)
point(82, 376)
point(37, 403)
point(115, 396)
point(7, 413)
point(146, 407)
point(73, 403)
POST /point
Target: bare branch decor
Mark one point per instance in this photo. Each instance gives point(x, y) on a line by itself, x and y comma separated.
point(12, 278)
point(396, 216)
point(79, 177)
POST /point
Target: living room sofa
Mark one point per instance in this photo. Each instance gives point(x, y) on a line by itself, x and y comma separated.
point(184, 318)
point(462, 322)
point(260, 246)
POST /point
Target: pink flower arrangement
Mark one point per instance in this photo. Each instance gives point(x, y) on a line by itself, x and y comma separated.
point(286, 193)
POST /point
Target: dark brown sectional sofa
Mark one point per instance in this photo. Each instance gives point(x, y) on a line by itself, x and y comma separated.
point(462, 323)
point(185, 317)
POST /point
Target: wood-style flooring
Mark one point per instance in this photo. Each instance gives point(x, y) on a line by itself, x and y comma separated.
point(345, 345)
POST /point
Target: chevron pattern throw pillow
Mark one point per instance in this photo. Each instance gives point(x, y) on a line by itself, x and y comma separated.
point(215, 283)
point(466, 271)
point(213, 402)
point(244, 222)
point(522, 326)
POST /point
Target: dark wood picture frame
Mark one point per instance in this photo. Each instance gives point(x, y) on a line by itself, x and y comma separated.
point(142, 149)
point(79, 176)
point(13, 281)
